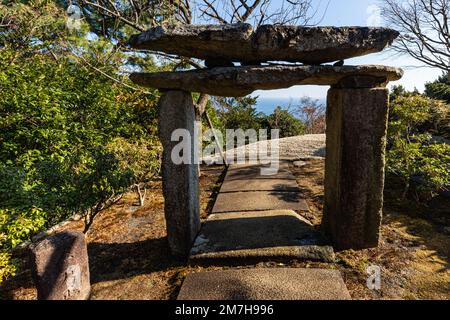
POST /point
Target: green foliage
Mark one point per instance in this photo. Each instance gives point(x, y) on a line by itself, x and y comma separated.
point(412, 154)
point(62, 108)
point(439, 89)
point(141, 157)
point(283, 120)
point(241, 114)
point(7, 266)
point(15, 227)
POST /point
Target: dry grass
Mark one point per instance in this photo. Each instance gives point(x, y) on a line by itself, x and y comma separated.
point(414, 251)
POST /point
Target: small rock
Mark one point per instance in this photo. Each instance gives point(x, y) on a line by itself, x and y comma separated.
point(299, 164)
point(60, 267)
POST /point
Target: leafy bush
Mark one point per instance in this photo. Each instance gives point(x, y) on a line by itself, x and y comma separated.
point(15, 227)
point(7, 266)
point(59, 113)
point(284, 121)
point(142, 158)
point(439, 89)
point(412, 154)
point(241, 114)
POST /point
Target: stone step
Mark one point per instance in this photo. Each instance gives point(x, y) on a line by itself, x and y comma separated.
point(259, 201)
point(260, 185)
point(282, 165)
point(260, 235)
point(254, 172)
point(265, 284)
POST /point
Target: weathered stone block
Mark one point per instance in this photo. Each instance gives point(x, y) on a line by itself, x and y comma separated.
point(354, 173)
point(238, 42)
point(265, 284)
point(259, 201)
point(241, 81)
point(60, 267)
point(180, 181)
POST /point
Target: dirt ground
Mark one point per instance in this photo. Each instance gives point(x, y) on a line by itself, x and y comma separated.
point(129, 256)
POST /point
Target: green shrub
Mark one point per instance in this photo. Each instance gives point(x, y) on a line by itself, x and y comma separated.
point(284, 121)
point(412, 155)
point(439, 89)
point(7, 266)
point(16, 226)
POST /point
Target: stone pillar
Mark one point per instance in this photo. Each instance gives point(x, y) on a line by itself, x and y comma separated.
point(60, 267)
point(180, 181)
point(355, 160)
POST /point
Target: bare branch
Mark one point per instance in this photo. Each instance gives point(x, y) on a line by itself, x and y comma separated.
point(424, 30)
point(258, 12)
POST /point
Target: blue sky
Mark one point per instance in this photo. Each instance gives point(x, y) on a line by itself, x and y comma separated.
point(359, 13)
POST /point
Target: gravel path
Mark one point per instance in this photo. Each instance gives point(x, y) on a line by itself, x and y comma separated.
point(292, 148)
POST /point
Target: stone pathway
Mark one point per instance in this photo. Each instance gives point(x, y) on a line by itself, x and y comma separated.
point(259, 217)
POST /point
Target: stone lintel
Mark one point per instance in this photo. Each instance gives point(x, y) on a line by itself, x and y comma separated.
point(241, 81)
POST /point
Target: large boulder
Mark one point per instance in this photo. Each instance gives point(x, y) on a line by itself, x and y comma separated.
point(239, 43)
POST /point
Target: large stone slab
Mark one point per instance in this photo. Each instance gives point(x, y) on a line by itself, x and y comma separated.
point(265, 284)
point(232, 185)
point(238, 42)
point(269, 234)
point(60, 267)
point(241, 81)
point(259, 201)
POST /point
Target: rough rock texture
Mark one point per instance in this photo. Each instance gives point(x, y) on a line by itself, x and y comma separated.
point(259, 200)
point(354, 172)
point(254, 173)
point(266, 234)
point(200, 41)
point(241, 81)
point(309, 146)
point(260, 185)
point(238, 42)
point(180, 181)
point(265, 284)
point(60, 267)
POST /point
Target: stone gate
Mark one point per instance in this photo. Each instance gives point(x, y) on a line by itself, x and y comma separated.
point(240, 60)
